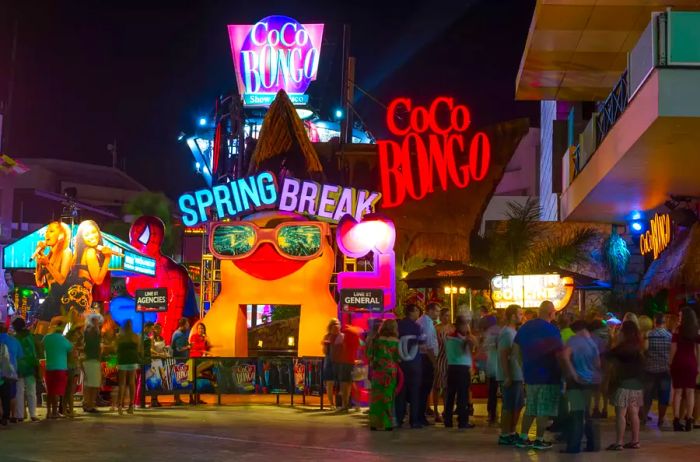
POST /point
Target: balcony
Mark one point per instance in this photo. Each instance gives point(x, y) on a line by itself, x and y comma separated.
point(640, 145)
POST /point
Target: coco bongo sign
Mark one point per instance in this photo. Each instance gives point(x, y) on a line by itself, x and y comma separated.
point(434, 150)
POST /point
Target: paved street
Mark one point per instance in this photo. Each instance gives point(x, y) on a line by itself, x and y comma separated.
point(263, 432)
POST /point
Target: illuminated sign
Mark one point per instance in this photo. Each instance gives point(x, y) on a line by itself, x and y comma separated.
point(355, 300)
point(443, 154)
point(276, 53)
point(355, 239)
point(530, 290)
point(152, 300)
point(245, 195)
point(657, 237)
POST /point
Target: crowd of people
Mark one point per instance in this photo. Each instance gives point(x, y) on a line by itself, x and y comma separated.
point(558, 371)
point(34, 366)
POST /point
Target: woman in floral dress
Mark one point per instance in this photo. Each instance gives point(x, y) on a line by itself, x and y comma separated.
point(383, 354)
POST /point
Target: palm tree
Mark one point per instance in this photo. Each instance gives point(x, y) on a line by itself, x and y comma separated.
point(520, 245)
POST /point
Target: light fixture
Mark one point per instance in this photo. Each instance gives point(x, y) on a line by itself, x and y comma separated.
point(259, 343)
point(447, 291)
point(290, 341)
point(453, 289)
point(636, 226)
point(202, 121)
point(462, 290)
point(338, 114)
point(304, 113)
point(636, 216)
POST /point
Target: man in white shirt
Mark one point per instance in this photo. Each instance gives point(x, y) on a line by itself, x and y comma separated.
point(430, 350)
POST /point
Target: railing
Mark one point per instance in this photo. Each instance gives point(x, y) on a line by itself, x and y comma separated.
point(612, 108)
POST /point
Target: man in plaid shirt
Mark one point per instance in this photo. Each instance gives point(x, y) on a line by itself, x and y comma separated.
point(658, 361)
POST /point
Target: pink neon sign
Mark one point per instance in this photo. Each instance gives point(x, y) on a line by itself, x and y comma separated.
point(375, 234)
point(276, 53)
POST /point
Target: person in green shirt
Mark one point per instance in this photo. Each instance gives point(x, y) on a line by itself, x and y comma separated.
point(458, 346)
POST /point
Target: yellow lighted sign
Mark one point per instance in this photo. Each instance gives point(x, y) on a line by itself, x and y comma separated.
point(657, 237)
point(529, 290)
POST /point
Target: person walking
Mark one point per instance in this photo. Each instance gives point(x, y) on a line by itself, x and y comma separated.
point(685, 350)
point(346, 360)
point(430, 349)
point(509, 374)
point(128, 353)
point(180, 346)
point(92, 368)
point(14, 348)
point(329, 352)
point(490, 348)
point(410, 340)
point(200, 347)
point(582, 358)
point(626, 376)
point(56, 350)
point(27, 371)
point(7, 376)
point(383, 355)
point(75, 337)
point(443, 329)
point(158, 354)
point(657, 368)
point(459, 345)
point(539, 343)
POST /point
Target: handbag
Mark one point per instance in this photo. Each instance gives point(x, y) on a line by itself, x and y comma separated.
point(7, 370)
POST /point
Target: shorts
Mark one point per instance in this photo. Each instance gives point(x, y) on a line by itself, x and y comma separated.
point(128, 367)
point(513, 396)
point(625, 397)
point(543, 400)
point(328, 371)
point(56, 382)
point(93, 373)
point(343, 372)
point(579, 397)
point(657, 386)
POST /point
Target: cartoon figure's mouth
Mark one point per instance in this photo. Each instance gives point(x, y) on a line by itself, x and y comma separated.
point(266, 264)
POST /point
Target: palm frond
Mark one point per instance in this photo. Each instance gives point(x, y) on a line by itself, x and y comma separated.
point(564, 252)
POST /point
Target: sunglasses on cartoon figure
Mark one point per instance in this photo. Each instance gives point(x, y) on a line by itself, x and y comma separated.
point(301, 240)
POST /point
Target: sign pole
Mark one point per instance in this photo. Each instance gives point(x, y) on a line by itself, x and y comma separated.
point(143, 365)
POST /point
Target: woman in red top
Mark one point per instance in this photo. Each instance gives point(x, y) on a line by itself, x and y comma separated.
point(199, 345)
point(684, 368)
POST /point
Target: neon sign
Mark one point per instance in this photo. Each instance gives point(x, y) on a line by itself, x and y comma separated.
point(276, 53)
point(355, 239)
point(657, 237)
point(443, 155)
point(258, 192)
point(529, 290)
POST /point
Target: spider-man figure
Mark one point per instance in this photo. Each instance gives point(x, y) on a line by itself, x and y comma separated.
point(146, 234)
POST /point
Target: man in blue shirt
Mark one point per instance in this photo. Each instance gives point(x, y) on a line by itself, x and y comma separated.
point(180, 344)
point(539, 343)
point(410, 339)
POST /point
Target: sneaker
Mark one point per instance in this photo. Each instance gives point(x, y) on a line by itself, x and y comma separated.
point(507, 440)
point(523, 443)
point(541, 445)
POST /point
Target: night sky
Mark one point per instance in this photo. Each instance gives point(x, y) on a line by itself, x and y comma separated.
point(89, 72)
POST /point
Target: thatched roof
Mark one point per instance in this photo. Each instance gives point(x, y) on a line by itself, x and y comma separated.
point(678, 266)
point(442, 223)
point(283, 143)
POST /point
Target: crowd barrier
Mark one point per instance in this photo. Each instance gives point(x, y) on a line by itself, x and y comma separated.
point(267, 375)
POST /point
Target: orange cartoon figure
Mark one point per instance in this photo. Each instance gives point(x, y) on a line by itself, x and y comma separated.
point(276, 259)
point(146, 234)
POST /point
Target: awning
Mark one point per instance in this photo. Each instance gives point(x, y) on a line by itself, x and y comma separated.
point(17, 256)
point(678, 266)
point(449, 272)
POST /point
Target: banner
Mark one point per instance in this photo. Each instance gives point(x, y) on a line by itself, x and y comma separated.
point(168, 375)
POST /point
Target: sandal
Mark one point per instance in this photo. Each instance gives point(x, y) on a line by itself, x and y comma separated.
point(632, 445)
point(614, 447)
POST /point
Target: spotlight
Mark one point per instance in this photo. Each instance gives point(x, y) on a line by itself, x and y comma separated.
point(636, 216)
point(636, 226)
point(181, 136)
point(339, 114)
point(202, 121)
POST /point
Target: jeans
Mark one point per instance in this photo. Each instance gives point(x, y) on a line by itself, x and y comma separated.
point(426, 386)
point(578, 420)
point(492, 402)
point(6, 397)
point(458, 381)
point(26, 388)
point(410, 393)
